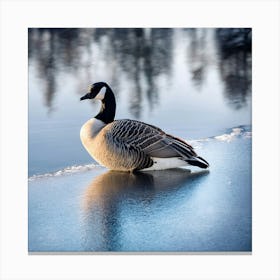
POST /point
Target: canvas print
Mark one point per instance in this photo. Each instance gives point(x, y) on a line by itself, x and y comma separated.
point(139, 140)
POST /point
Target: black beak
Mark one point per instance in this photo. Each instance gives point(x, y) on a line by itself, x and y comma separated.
point(84, 97)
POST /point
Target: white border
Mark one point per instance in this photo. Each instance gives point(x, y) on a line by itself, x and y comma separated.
point(17, 16)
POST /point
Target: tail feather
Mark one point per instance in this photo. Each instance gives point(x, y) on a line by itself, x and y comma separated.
point(187, 152)
point(198, 161)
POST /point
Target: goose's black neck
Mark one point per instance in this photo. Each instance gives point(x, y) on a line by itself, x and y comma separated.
point(108, 108)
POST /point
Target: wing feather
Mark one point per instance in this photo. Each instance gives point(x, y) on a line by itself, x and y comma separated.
point(148, 140)
point(128, 156)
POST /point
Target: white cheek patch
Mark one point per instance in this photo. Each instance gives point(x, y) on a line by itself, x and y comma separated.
point(101, 94)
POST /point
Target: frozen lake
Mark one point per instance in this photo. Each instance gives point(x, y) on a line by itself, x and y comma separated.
point(192, 83)
point(162, 211)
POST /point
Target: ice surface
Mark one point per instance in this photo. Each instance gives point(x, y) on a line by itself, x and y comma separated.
point(80, 210)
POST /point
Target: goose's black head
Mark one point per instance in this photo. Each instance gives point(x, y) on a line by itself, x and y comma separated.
point(103, 92)
point(96, 91)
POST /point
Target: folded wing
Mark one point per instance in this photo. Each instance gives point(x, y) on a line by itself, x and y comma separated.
point(129, 136)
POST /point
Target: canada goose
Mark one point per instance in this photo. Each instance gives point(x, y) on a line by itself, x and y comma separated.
point(128, 145)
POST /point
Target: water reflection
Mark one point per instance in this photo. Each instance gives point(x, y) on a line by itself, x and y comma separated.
point(197, 55)
point(142, 54)
point(235, 63)
point(114, 196)
point(143, 57)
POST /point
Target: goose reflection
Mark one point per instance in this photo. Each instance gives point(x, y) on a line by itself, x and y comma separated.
point(113, 198)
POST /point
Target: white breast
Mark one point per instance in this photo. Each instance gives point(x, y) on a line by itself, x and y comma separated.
point(91, 128)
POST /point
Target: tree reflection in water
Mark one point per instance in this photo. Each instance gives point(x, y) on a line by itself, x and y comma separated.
point(235, 63)
point(143, 56)
point(197, 55)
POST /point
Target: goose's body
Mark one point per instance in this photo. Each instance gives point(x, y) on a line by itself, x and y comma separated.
point(129, 145)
